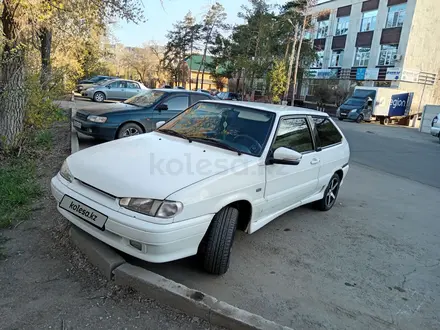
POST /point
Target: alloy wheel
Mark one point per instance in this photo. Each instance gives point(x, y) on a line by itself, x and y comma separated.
point(332, 192)
point(130, 132)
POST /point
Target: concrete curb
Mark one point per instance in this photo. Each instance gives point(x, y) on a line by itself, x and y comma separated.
point(165, 291)
point(102, 256)
point(74, 143)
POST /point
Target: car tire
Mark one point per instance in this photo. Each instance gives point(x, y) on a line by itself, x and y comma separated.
point(341, 119)
point(99, 97)
point(329, 200)
point(217, 244)
point(129, 129)
point(359, 118)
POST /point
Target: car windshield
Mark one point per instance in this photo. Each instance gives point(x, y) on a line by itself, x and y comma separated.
point(354, 102)
point(103, 82)
point(239, 128)
point(96, 79)
point(146, 98)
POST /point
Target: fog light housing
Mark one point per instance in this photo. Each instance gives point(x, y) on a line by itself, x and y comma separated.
point(136, 245)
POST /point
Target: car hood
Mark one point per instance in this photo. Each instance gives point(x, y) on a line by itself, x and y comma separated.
point(152, 165)
point(345, 107)
point(109, 108)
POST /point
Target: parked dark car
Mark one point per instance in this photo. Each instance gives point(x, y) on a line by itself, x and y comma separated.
point(229, 96)
point(87, 83)
point(136, 115)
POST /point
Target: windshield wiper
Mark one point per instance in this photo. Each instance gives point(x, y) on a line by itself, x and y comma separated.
point(131, 104)
point(217, 143)
point(174, 133)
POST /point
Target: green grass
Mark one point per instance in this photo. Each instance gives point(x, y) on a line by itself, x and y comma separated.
point(18, 188)
point(43, 140)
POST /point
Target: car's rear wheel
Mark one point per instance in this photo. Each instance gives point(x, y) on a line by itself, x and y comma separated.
point(99, 97)
point(330, 194)
point(129, 129)
point(216, 246)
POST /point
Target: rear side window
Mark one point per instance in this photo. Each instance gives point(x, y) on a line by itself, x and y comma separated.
point(327, 133)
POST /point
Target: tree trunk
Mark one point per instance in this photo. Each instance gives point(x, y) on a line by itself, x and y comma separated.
point(295, 76)
point(45, 36)
point(12, 80)
point(237, 86)
point(190, 63)
point(292, 56)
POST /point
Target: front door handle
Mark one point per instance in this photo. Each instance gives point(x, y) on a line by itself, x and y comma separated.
point(315, 161)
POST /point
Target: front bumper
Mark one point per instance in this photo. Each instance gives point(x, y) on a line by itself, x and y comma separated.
point(348, 115)
point(101, 131)
point(160, 243)
point(87, 94)
point(435, 131)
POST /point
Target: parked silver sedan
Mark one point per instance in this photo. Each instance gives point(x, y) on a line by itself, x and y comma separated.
point(118, 89)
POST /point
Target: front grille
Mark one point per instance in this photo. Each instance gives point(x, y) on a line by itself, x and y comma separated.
point(81, 115)
point(96, 189)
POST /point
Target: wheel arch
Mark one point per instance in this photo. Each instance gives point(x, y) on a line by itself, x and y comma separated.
point(130, 122)
point(244, 208)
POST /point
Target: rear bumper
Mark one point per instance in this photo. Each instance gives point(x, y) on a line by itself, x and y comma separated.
point(159, 243)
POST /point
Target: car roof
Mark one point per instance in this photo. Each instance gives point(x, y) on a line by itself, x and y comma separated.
point(276, 108)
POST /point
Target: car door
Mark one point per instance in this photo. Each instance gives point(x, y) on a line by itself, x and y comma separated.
point(133, 89)
point(331, 152)
point(176, 103)
point(116, 90)
point(287, 185)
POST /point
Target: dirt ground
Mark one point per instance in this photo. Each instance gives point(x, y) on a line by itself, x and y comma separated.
point(45, 283)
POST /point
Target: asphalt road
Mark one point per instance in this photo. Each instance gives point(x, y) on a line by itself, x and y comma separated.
point(372, 262)
point(396, 150)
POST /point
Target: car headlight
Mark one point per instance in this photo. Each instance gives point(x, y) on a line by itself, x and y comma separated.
point(65, 172)
point(90, 89)
point(152, 207)
point(97, 119)
point(354, 110)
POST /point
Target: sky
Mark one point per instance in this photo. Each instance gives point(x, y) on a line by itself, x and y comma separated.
point(161, 16)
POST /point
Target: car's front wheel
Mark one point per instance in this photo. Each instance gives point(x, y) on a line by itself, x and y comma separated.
point(359, 118)
point(330, 194)
point(340, 118)
point(216, 246)
point(99, 97)
point(129, 129)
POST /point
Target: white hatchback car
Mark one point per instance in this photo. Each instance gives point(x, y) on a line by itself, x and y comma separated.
point(214, 168)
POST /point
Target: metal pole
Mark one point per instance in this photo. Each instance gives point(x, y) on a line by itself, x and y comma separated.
point(420, 102)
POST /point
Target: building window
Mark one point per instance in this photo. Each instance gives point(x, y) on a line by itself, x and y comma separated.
point(322, 30)
point(337, 57)
point(362, 56)
point(396, 15)
point(387, 54)
point(368, 21)
point(320, 59)
point(342, 25)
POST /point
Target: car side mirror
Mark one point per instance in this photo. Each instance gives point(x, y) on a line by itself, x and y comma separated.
point(162, 106)
point(160, 123)
point(108, 86)
point(285, 156)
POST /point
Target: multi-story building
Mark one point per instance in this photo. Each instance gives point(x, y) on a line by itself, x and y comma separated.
point(378, 43)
